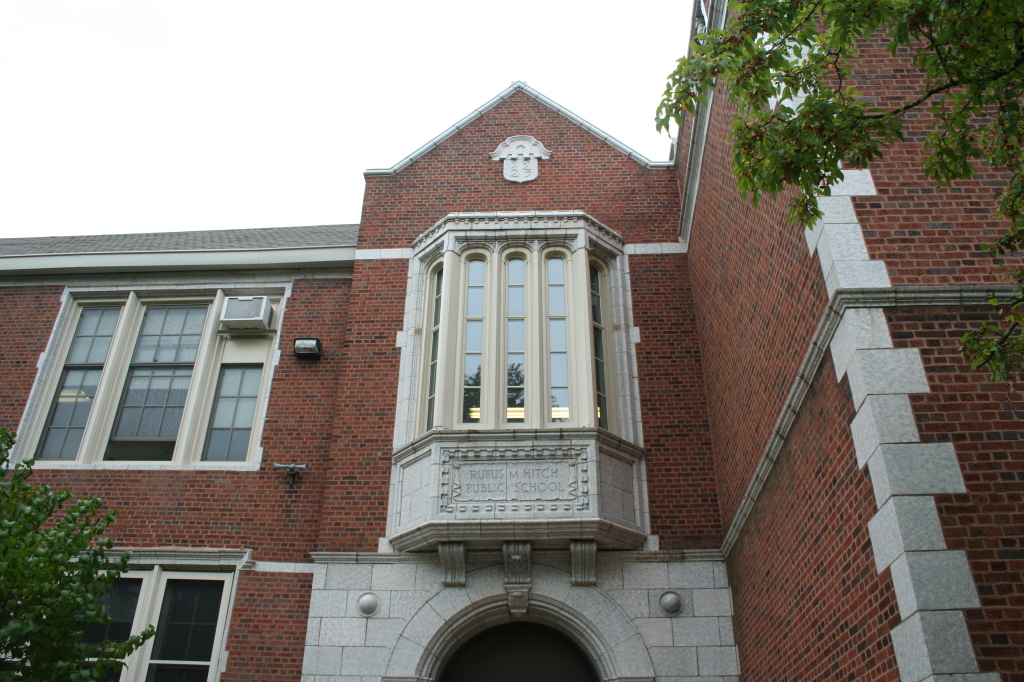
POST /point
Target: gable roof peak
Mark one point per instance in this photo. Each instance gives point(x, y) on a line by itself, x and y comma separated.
point(520, 86)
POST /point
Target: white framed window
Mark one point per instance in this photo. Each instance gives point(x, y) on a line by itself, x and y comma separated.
point(152, 379)
point(189, 610)
point(511, 340)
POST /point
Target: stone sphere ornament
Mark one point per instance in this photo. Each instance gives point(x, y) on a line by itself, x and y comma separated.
point(671, 603)
point(368, 603)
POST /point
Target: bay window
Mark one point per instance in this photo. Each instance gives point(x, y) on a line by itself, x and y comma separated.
point(514, 338)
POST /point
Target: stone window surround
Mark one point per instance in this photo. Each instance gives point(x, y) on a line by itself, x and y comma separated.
point(193, 430)
point(531, 233)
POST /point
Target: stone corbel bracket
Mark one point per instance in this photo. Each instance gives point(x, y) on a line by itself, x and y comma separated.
point(517, 576)
point(453, 561)
point(584, 562)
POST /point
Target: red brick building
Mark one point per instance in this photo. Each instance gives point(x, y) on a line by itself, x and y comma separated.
point(548, 396)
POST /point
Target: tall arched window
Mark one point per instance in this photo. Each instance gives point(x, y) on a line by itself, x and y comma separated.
point(515, 340)
point(473, 354)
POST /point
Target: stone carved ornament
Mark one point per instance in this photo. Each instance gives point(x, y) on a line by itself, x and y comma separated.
point(521, 154)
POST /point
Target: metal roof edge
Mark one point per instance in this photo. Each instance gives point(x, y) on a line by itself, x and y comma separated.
point(490, 104)
point(136, 261)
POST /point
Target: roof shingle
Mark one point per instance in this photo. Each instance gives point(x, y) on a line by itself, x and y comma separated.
point(206, 240)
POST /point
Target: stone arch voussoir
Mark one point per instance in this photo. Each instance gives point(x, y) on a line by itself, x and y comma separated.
point(456, 614)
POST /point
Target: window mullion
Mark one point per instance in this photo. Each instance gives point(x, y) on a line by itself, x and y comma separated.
point(581, 339)
point(189, 444)
point(536, 343)
point(449, 372)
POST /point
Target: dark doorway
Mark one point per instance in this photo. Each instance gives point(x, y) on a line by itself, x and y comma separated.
point(519, 652)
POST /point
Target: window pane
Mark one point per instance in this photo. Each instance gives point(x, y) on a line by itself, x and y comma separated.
point(517, 271)
point(556, 299)
point(556, 271)
point(195, 319)
point(217, 445)
point(474, 336)
point(515, 412)
point(224, 413)
point(476, 273)
point(516, 336)
point(153, 322)
point(516, 301)
point(245, 413)
point(251, 381)
point(121, 601)
point(516, 369)
point(471, 405)
point(559, 404)
point(559, 369)
point(73, 402)
point(234, 410)
point(158, 389)
point(108, 321)
point(475, 302)
point(602, 412)
point(516, 290)
point(177, 673)
point(70, 412)
point(437, 296)
point(174, 321)
point(188, 620)
point(239, 447)
point(558, 342)
point(231, 380)
point(472, 374)
point(170, 334)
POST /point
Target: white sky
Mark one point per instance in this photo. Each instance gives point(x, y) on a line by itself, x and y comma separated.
point(154, 115)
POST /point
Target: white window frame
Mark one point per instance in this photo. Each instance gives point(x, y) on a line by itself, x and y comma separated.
point(450, 245)
point(217, 347)
point(147, 612)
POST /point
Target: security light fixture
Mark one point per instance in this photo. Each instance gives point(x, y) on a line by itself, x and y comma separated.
point(292, 470)
point(308, 347)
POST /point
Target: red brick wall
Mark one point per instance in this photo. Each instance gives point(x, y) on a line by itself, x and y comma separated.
point(983, 421)
point(808, 602)
point(924, 235)
point(583, 173)
point(758, 296)
point(249, 509)
point(267, 634)
point(30, 312)
point(677, 433)
point(356, 499)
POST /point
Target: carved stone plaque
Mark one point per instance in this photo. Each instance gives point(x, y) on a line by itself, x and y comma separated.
point(521, 154)
point(553, 479)
point(513, 475)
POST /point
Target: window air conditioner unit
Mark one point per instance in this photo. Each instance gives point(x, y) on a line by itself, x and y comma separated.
point(246, 312)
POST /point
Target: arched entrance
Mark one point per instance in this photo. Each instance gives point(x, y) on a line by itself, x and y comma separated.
point(518, 652)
